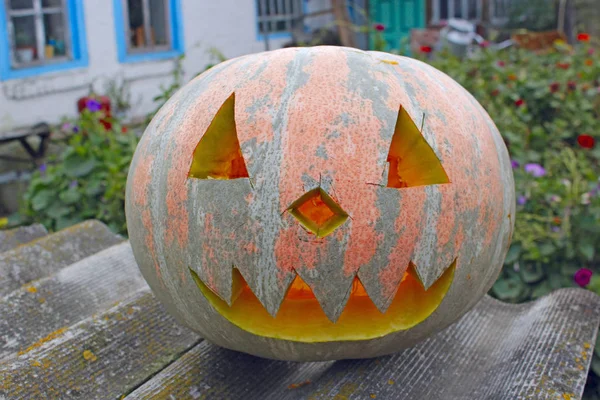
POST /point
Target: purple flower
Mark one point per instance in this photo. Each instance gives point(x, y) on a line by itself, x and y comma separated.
point(521, 200)
point(582, 276)
point(93, 105)
point(43, 167)
point(75, 129)
point(515, 164)
point(535, 169)
point(66, 126)
point(555, 229)
point(73, 184)
point(554, 198)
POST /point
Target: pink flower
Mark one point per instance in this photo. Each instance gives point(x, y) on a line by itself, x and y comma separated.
point(519, 102)
point(535, 169)
point(501, 63)
point(485, 44)
point(379, 27)
point(583, 276)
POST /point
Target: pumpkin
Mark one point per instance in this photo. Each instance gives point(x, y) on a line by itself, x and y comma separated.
point(320, 203)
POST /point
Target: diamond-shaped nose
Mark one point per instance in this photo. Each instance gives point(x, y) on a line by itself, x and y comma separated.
point(318, 213)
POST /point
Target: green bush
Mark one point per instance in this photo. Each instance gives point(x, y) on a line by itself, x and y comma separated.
point(88, 179)
point(547, 107)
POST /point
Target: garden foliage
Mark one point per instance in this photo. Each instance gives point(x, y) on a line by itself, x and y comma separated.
point(87, 180)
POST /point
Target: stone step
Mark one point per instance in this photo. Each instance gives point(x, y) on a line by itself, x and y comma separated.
point(102, 357)
point(47, 255)
point(74, 293)
point(11, 238)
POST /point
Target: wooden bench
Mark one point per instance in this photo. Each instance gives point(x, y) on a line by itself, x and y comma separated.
point(77, 320)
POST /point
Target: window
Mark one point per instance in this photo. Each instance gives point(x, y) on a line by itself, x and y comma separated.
point(148, 29)
point(279, 16)
point(464, 9)
point(42, 36)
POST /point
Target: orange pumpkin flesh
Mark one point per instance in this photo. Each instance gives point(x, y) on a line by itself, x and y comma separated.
point(318, 212)
point(218, 154)
point(301, 318)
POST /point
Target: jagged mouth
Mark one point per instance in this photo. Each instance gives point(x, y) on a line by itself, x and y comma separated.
point(300, 317)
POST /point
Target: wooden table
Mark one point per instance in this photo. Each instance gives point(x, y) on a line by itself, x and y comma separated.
point(78, 321)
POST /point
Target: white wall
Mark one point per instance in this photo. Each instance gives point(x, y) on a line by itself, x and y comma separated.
point(228, 25)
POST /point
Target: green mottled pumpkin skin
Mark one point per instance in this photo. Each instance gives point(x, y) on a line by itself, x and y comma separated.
point(308, 118)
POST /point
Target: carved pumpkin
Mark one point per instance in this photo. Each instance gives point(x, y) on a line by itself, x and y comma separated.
point(320, 203)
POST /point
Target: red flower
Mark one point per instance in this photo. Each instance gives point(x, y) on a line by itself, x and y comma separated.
point(571, 85)
point(589, 62)
point(485, 44)
point(495, 92)
point(426, 49)
point(379, 27)
point(563, 65)
point(554, 87)
point(586, 141)
point(583, 37)
point(124, 129)
point(501, 63)
point(519, 102)
point(583, 276)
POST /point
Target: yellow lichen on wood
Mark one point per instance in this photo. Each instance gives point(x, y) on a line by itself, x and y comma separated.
point(40, 342)
point(32, 289)
point(89, 356)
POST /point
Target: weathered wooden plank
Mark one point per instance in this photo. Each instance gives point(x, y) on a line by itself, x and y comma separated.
point(12, 238)
point(49, 254)
point(87, 287)
point(102, 357)
point(537, 350)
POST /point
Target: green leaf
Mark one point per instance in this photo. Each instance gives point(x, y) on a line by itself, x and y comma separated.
point(532, 273)
point(511, 290)
point(596, 364)
point(77, 166)
point(57, 210)
point(71, 196)
point(94, 188)
point(542, 289)
point(42, 199)
point(587, 250)
point(513, 253)
point(65, 222)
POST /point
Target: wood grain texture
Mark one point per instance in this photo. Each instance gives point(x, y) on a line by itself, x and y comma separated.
point(12, 238)
point(103, 357)
point(74, 293)
point(49, 254)
point(539, 350)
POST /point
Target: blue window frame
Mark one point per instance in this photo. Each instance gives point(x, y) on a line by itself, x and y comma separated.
point(41, 36)
point(277, 18)
point(148, 30)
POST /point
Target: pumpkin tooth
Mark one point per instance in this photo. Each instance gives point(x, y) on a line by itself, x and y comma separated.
point(330, 287)
point(436, 248)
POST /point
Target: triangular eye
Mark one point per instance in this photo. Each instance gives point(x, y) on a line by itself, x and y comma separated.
point(218, 154)
point(412, 160)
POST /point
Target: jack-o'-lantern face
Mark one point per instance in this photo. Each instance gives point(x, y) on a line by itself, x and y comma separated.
point(286, 200)
point(410, 162)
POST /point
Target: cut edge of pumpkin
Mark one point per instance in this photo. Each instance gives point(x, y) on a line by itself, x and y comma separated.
point(300, 317)
point(218, 154)
point(411, 160)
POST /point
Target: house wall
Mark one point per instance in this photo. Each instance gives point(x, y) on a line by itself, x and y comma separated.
point(228, 25)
